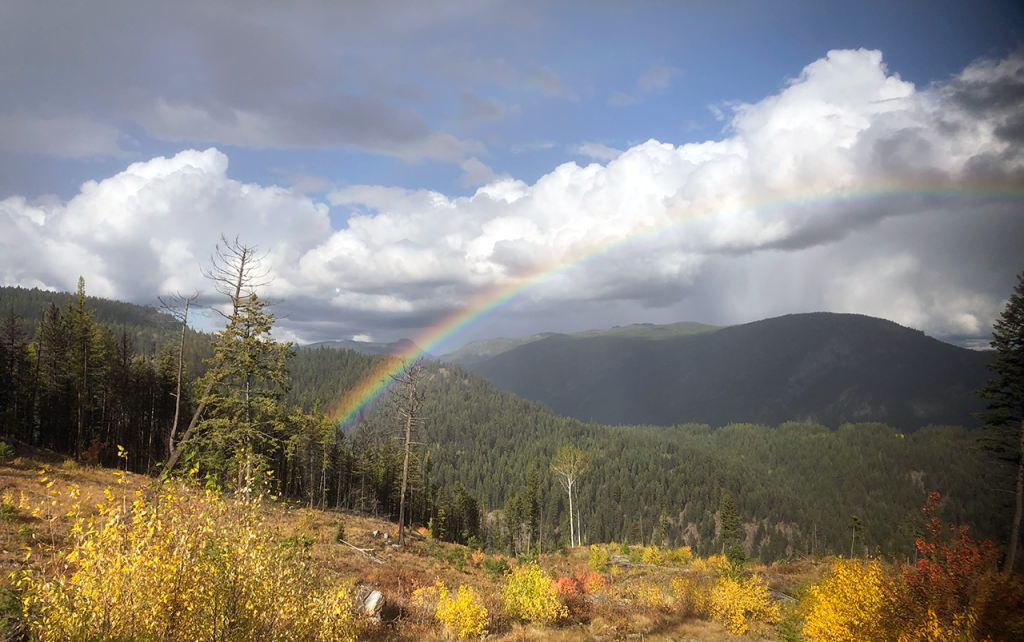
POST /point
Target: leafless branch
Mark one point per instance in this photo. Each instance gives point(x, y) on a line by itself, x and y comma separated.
point(236, 271)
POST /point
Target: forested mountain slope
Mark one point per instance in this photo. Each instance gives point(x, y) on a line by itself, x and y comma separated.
point(822, 367)
point(146, 325)
point(796, 485)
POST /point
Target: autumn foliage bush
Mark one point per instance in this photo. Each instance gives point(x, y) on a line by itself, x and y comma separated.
point(185, 565)
point(679, 556)
point(599, 557)
point(652, 555)
point(847, 605)
point(954, 593)
point(529, 595)
point(463, 615)
point(693, 595)
point(740, 603)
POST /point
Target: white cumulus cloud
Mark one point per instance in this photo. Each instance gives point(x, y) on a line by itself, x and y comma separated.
point(773, 218)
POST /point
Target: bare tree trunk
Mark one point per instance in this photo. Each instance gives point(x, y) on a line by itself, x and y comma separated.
point(405, 467)
point(572, 533)
point(181, 368)
point(80, 437)
point(180, 448)
point(1011, 553)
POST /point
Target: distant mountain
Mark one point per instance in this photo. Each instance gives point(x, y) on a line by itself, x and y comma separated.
point(479, 351)
point(402, 346)
point(823, 367)
point(484, 349)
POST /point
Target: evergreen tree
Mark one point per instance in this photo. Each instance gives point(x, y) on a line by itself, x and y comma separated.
point(856, 530)
point(16, 412)
point(83, 338)
point(732, 530)
point(246, 414)
point(1004, 419)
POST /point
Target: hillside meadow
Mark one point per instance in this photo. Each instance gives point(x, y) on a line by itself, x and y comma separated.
point(95, 553)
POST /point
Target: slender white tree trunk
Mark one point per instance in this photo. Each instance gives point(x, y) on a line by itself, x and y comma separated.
point(572, 533)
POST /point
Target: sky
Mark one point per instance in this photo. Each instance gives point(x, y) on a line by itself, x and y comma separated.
point(402, 162)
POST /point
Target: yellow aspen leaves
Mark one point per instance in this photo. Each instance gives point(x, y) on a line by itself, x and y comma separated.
point(529, 595)
point(739, 603)
point(463, 615)
point(846, 606)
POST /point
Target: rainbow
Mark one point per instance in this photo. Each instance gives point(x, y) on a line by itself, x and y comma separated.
point(367, 392)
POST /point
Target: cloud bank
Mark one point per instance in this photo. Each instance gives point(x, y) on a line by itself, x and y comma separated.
point(719, 231)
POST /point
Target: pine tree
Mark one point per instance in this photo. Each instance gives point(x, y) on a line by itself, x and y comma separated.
point(15, 378)
point(731, 528)
point(82, 359)
point(532, 502)
point(1004, 419)
point(250, 373)
point(856, 530)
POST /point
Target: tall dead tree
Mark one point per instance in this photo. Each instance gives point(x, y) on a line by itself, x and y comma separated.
point(177, 305)
point(409, 402)
point(236, 271)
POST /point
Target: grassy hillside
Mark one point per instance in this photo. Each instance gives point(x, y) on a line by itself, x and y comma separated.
point(825, 368)
point(114, 555)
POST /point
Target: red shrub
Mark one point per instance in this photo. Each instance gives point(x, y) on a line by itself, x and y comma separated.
point(957, 581)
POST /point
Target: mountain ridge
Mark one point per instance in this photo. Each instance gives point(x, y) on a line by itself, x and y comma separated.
point(477, 351)
point(827, 367)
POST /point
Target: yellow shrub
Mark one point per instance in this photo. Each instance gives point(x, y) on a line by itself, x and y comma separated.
point(961, 629)
point(598, 558)
point(648, 596)
point(425, 598)
point(652, 555)
point(464, 615)
point(184, 566)
point(679, 556)
point(847, 604)
point(712, 564)
point(692, 597)
point(739, 603)
point(529, 595)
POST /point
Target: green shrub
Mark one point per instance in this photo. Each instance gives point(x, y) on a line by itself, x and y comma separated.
point(301, 544)
point(339, 531)
point(495, 568)
point(6, 452)
point(456, 556)
point(790, 626)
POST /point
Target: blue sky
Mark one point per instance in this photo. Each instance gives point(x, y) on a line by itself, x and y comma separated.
point(447, 106)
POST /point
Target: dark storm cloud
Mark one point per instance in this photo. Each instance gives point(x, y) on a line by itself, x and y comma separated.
point(187, 71)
